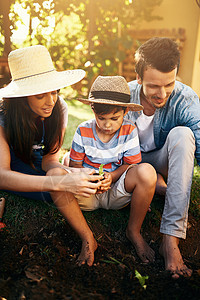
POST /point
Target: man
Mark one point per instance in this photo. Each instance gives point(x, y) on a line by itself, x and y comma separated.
point(169, 133)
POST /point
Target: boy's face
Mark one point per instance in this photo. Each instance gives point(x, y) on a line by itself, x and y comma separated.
point(108, 124)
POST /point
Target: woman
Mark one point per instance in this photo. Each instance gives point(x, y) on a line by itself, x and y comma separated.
point(33, 119)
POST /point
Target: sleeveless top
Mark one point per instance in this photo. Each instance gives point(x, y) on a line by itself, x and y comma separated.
point(38, 144)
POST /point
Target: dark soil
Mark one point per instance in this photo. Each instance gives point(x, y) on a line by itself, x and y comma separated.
point(38, 260)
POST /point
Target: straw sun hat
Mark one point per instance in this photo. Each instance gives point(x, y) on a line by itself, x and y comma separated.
point(112, 90)
point(33, 73)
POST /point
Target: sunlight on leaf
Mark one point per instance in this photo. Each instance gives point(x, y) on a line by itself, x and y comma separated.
point(141, 279)
point(107, 62)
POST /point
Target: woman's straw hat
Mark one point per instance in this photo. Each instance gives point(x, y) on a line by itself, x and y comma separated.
point(33, 73)
point(112, 90)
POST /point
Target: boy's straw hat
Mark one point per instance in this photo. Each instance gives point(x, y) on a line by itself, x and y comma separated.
point(33, 73)
point(112, 90)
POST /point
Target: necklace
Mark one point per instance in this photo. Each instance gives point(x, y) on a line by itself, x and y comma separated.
point(40, 146)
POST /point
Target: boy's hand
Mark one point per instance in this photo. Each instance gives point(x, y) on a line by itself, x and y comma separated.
point(105, 183)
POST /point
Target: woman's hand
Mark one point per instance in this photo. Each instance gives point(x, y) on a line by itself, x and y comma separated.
point(105, 183)
point(79, 183)
point(82, 184)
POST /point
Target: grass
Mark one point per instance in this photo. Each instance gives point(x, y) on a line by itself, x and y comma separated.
point(78, 112)
point(19, 210)
point(195, 193)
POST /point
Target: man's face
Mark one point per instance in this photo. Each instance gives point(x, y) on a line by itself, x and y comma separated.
point(157, 86)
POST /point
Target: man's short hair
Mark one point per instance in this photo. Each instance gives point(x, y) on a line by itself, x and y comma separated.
point(159, 53)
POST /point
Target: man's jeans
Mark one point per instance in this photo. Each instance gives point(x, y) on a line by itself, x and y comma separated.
point(175, 160)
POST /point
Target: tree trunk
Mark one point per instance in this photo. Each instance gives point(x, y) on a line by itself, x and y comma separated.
point(4, 10)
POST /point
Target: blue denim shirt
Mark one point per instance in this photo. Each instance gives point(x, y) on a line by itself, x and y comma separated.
point(182, 109)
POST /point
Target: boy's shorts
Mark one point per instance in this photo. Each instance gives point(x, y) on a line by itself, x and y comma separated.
point(115, 198)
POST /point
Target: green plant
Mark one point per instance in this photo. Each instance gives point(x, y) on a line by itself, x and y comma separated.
point(113, 260)
point(101, 172)
point(141, 279)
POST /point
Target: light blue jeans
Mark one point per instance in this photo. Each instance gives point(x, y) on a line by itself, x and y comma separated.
point(175, 160)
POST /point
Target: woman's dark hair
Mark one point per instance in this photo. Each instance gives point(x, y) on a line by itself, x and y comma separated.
point(159, 53)
point(21, 129)
point(103, 109)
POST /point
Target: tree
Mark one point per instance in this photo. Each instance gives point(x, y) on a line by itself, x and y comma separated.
point(90, 34)
point(106, 28)
point(5, 25)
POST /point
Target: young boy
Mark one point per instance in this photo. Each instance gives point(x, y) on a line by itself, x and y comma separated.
point(112, 140)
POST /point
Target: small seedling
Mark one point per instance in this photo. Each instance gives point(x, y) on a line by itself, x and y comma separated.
point(101, 172)
point(114, 261)
point(141, 279)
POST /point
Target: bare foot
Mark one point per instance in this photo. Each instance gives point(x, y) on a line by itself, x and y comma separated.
point(161, 185)
point(173, 260)
point(145, 253)
point(87, 252)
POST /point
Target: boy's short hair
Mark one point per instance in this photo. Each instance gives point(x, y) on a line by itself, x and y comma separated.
point(159, 53)
point(103, 109)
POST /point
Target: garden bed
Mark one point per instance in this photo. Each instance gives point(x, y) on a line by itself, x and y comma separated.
point(38, 252)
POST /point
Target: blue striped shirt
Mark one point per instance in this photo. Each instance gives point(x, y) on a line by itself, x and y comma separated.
point(91, 151)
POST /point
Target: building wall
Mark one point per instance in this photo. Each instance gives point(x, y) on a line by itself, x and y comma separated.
point(196, 70)
point(182, 14)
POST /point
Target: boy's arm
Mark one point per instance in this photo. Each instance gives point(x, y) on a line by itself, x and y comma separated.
point(75, 164)
point(77, 151)
point(118, 172)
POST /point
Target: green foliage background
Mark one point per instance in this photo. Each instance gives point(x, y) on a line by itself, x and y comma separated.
point(88, 34)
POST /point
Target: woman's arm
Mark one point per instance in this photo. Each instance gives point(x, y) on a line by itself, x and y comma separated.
point(77, 183)
point(50, 161)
